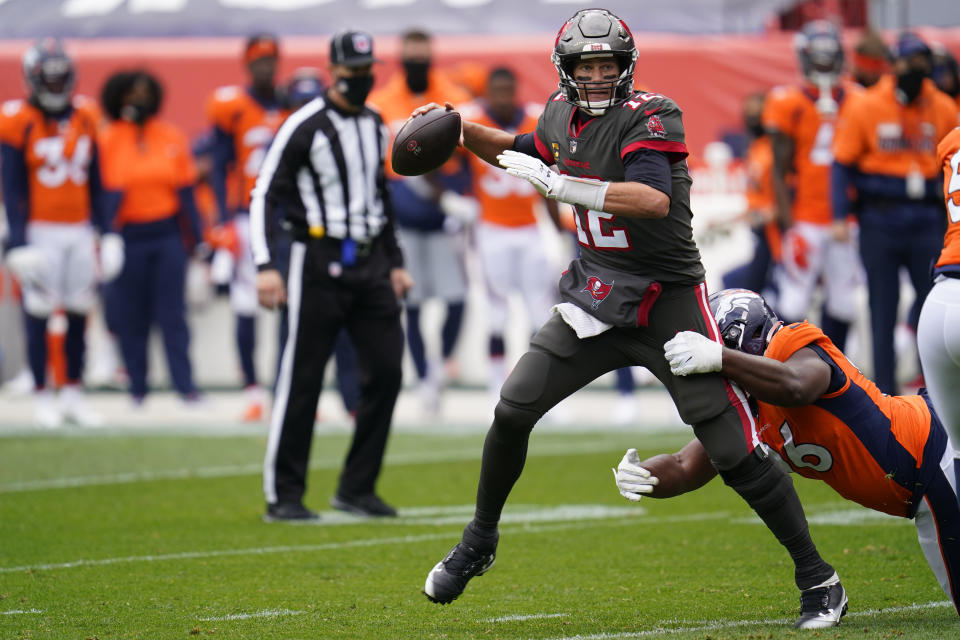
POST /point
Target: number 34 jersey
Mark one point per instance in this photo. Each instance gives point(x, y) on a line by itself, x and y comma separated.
point(661, 250)
point(57, 156)
point(878, 450)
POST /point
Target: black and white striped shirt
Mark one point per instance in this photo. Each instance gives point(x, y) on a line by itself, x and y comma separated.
point(325, 170)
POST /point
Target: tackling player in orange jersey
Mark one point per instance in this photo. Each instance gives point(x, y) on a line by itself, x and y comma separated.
point(244, 121)
point(52, 192)
point(801, 122)
point(508, 240)
point(824, 420)
point(938, 331)
point(885, 149)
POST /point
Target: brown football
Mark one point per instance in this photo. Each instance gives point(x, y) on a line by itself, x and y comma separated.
point(426, 142)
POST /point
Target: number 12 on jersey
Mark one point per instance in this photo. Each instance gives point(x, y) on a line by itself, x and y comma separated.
point(594, 236)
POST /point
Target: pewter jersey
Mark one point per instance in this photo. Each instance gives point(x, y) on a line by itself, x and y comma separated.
point(660, 250)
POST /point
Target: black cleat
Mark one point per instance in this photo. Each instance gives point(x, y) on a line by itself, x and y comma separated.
point(289, 512)
point(368, 505)
point(449, 578)
point(822, 606)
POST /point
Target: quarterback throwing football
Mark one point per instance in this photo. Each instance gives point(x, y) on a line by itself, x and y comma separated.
point(620, 160)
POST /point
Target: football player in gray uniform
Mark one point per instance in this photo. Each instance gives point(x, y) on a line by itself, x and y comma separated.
point(620, 159)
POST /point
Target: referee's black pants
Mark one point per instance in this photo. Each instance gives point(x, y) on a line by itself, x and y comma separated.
point(323, 297)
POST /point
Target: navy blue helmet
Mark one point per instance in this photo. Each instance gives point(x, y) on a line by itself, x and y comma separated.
point(49, 74)
point(744, 318)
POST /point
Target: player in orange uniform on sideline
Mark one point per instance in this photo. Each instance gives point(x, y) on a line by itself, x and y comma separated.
point(885, 147)
point(801, 122)
point(938, 331)
point(244, 120)
point(430, 213)
point(757, 274)
point(824, 420)
point(148, 166)
point(508, 240)
point(52, 192)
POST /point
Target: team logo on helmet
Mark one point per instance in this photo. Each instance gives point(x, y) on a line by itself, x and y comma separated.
point(598, 290)
point(362, 43)
point(744, 319)
point(655, 127)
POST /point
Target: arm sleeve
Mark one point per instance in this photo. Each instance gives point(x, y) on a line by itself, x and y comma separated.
point(531, 145)
point(16, 195)
point(188, 207)
point(276, 181)
point(841, 180)
point(649, 167)
point(101, 211)
point(223, 156)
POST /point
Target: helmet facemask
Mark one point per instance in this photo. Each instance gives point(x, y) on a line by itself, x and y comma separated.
point(50, 76)
point(595, 34)
point(616, 88)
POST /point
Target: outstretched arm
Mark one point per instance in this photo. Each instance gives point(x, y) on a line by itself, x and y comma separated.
point(800, 380)
point(664, 475)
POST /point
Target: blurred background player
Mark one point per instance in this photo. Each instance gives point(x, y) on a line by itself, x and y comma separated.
point(430, 212)
point(509, 243)
point(871, 59)
point(825, 421)
point(801, 122)
point(946, 73)
point(148, 169)
point(52, 192)
point(244, 121)
point(885, 147)
point(938, 331)
point(757, 274)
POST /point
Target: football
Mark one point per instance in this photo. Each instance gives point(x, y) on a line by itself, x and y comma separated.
point(426, 142)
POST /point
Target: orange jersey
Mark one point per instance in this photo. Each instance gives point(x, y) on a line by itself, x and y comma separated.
point(866, 445)
point(504, 200)
point(57, 155)
point(395, 103)
point(793, 112)
point(149, 165)
point(948, 151)
point(759, 166)
point(235, 112)
point(878, 135)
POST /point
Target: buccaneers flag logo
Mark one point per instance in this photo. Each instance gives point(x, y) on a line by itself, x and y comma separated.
point(598, 290)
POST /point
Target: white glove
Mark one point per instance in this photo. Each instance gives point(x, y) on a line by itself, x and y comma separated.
point(28, 264)
point(633, 481)
point(111, 256)
point(463, 208)
point(586, 192)
point(221, 267)
point(690, 352)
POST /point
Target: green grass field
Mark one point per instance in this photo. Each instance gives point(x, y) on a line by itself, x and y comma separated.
point(113, 535)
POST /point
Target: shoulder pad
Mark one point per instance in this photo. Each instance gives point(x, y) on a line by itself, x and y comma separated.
point(227, 94)
point(11, 108)
point(533, 109)
point(470, 111)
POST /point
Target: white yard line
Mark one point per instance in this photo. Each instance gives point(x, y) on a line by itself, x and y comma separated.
point(14, 612)
point(626, 518)
point(529, 616)
point(266, 613)
point(452, 455)
point(718, 625)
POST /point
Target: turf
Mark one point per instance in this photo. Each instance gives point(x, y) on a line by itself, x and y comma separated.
point(159, 536)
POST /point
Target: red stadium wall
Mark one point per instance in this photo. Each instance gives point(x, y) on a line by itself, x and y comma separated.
point(708, 76)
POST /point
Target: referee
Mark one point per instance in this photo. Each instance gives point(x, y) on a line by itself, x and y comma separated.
point(324, 171)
